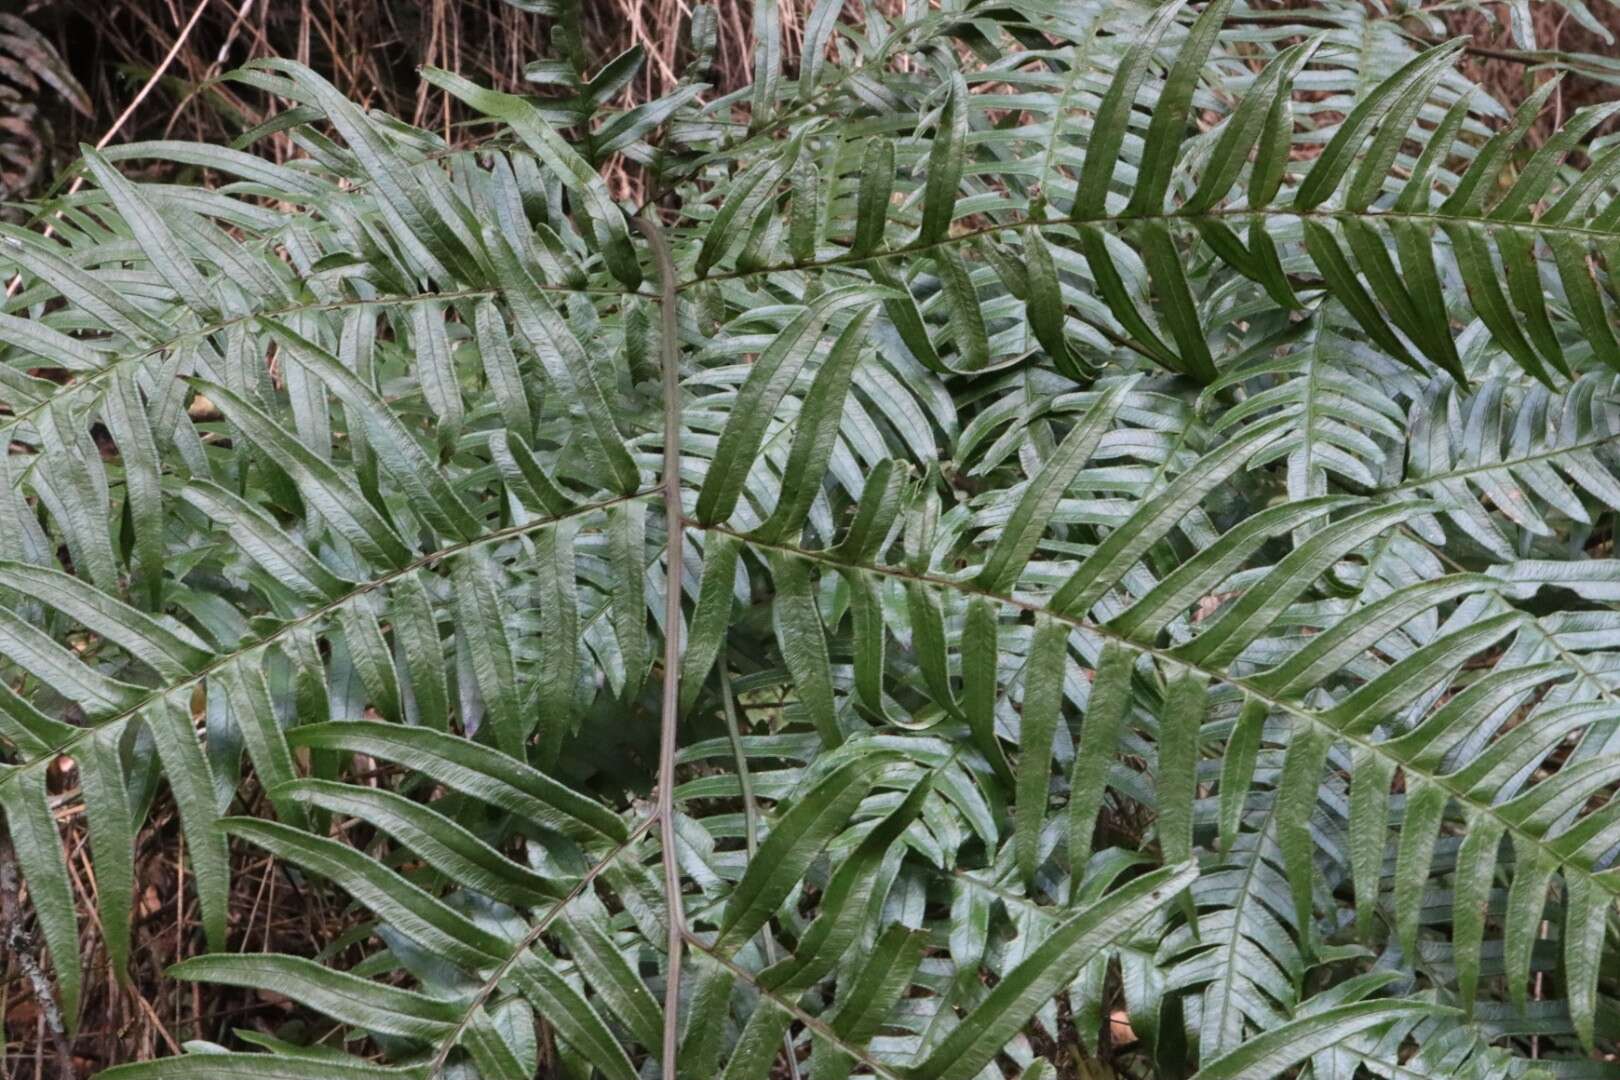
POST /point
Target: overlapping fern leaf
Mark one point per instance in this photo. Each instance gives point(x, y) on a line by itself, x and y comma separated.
point(1141, 485)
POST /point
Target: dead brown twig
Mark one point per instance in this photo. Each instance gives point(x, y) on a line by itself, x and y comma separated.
point(123, 118)
point(19, 943)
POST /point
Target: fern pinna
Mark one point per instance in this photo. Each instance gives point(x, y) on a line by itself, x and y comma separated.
point(1053, 518)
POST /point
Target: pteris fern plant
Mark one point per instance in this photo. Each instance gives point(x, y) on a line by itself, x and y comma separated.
point(1051, 515)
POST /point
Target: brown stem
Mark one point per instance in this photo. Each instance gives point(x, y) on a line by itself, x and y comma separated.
point(669, 725)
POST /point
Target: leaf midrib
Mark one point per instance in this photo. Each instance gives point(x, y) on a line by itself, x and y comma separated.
point(221, 660)
point(1434, 219)
point(1612, 887)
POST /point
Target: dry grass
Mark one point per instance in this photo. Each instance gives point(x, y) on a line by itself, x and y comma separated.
point(368, 48)
point(1511, 82)
point(148, 1015)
